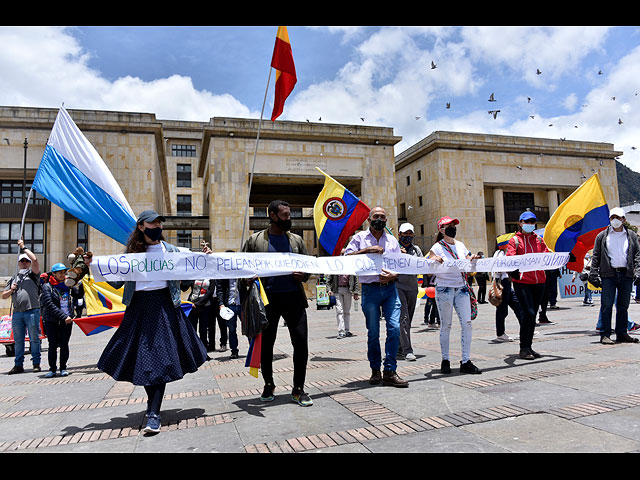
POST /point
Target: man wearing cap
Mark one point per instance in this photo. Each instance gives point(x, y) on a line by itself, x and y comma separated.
point(407, 286)
point(529, 286)
point(615, 266)
point(24, 290)
point(379, 291)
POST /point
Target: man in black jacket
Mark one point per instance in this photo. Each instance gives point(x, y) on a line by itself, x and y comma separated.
point(615, 267)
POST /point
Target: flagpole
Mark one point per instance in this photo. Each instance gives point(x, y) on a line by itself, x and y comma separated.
point(24, 214)
point(255, 153)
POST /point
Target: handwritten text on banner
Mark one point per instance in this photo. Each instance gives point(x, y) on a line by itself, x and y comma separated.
point(191, 265)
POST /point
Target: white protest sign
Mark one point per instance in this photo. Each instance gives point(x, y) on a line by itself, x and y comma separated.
point(193, 265)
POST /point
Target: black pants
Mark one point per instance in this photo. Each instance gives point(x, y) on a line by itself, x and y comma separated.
point(58, 335)
point(529, 297)
point(509, 299)
point(155, 394)
point(292, 308)
point(482, 290)
point(204, 319)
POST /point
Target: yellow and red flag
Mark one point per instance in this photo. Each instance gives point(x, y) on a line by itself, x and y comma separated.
point(286, 79)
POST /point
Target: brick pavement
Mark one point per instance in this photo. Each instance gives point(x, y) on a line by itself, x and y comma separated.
point(579, 386)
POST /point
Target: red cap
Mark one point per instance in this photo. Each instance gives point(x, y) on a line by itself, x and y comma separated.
point(447, 220)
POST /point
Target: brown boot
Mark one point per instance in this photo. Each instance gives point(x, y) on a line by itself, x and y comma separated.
point(390, 378)
point(376, 378)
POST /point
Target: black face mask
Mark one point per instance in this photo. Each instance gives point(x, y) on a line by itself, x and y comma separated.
point(406, 240)
point(284, 225)
point(153, 233)
point(450, 232)
point(378, 224)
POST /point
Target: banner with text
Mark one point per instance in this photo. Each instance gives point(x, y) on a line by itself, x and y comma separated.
point(195, 265)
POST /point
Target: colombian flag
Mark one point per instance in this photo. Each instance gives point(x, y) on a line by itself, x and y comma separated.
point(104, 307)
point(503, 240)
point(282, 61)
point(337, 214)
point(573, 227)
point(255, 344)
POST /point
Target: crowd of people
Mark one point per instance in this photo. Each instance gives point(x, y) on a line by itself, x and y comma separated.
point(157, 342)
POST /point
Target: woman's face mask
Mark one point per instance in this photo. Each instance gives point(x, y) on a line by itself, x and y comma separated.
point(616, 222)
point(528, 227)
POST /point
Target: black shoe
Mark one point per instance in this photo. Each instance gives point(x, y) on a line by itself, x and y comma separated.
point(36, 368)
point(534, 353)
point(392, 379)
point(234, 355)
point(15, 369)
point(376, 377)
point(468, 367)
point(526, 354)
point(445, 367)
point(545, 321)
point(626, 338)
point(267, 393)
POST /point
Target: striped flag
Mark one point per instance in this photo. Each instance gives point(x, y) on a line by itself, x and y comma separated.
point(282, 61)
point(337, 214)
point(73, 176)
point(255, 343)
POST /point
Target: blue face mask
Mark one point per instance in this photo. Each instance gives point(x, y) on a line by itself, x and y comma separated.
point(528, 227)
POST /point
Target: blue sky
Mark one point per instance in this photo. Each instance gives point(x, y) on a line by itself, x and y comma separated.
point(381, 74)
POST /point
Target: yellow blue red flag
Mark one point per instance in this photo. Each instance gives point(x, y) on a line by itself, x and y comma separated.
point(337, 214)
point(503, 240)
point(255, 344)
point(282, 61)
point(573, 227)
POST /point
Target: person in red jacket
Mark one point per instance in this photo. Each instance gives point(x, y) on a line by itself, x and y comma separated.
point(529, 286)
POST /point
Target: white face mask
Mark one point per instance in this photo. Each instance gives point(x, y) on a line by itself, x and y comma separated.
point(616, 223)
point(23, 271)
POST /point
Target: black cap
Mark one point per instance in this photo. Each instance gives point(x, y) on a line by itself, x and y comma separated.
point(150, 216)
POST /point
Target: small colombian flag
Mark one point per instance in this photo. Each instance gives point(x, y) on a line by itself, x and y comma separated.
point(337, 214)
point(286, 79)
point(255, 344)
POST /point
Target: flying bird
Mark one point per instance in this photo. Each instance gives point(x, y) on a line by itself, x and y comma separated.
point(538, 72)
point(528, 99)
point(519, 167)
point(613, 98)
point(494, 113)
point(599, 72)
point(532, 116)
point(448, 105)
point(491, 99)
point(433, 65)
point(620, 121)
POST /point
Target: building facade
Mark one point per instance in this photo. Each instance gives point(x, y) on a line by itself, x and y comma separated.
point(487, 181)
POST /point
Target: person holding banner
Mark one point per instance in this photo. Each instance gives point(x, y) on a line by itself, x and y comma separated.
point(615, 266)
point(155, 343)
point(379, 292)
point(287, 299)
point(24, 290)
point(452, 291)
point(529, 287)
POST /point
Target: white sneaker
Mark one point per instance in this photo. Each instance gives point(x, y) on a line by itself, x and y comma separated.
point(410, 357)
point(504, 338)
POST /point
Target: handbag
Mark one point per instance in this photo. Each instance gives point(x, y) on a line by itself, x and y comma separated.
point(495, 293)
point(472, 295)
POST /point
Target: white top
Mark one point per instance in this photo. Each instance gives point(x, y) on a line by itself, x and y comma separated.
point(451, 279)
point(617, 247)
point(154, 284)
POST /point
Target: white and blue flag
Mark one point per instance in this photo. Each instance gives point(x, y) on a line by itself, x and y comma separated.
point(73, 176)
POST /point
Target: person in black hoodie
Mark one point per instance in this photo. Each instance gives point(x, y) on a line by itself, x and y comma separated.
point(56, 304)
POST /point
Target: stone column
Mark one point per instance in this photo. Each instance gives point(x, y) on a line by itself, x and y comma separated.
point(552, 196)
point(498, 208)
point(56, 238)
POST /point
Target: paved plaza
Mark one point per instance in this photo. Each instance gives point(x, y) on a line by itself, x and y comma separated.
point(581, 396)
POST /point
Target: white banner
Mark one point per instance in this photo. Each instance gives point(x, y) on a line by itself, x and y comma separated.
point(192, 265)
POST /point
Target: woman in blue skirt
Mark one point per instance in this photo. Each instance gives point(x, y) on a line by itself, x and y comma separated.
point(155, 343)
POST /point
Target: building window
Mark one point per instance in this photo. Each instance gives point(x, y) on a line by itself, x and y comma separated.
point(184, 238)
point(10, 234)
point(184, 205)
point(420, 200)
point(184, 175)
point(421, 229)
point(83, 236)
point(183, 150)
point(408, 181)
point(11, 192)
point(419, 175)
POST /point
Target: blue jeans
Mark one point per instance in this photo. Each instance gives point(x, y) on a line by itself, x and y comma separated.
point(449, 298)
point(622, 285)
point(232, 324)
point(21, 322)
point(386, 297)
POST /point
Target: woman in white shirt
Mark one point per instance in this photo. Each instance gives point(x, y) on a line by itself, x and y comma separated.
point(155, 342)
point(452, 291)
